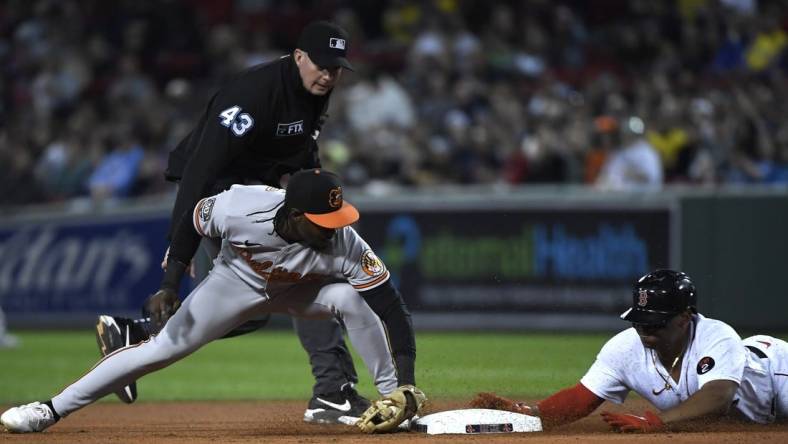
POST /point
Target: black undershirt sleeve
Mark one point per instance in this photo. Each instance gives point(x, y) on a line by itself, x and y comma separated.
point(181, 252)
point(387, 303)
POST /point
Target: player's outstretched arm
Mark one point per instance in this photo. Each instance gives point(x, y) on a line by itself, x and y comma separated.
point(160, 306)
point(713, 399)
point(386, 301)
point(179, 253)
point(563, 407)
point(385, 414)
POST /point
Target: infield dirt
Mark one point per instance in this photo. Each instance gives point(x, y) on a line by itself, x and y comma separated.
point(280, 422)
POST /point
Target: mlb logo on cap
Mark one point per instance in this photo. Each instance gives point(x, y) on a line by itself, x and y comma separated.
point(336, 43)
point(313, 41)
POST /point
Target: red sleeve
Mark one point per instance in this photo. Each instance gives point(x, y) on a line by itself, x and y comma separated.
point(568, 405)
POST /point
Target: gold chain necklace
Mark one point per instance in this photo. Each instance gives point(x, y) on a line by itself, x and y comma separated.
point(668, 385)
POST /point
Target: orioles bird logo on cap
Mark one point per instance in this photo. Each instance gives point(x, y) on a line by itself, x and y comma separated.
point(335, 197)
point(642, 298)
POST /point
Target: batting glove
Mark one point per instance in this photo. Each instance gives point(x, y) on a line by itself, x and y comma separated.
point(620, 422)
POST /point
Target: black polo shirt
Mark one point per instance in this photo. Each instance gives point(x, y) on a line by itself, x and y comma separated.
point(259, 126)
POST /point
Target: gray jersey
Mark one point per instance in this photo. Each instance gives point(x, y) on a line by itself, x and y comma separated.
point(243, 217)
point(256, 272)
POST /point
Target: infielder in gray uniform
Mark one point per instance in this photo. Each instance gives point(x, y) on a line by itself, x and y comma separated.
point(286, 252)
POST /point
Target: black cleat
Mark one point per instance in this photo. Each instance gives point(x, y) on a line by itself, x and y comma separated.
point(342, 407)
point(114, 333)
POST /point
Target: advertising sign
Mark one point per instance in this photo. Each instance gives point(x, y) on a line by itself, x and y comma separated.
point(79, 266)
point(553, 260)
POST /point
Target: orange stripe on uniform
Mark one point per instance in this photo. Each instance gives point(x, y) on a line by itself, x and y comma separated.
point(377, 281)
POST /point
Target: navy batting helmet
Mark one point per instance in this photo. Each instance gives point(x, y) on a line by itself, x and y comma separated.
point(660, 295)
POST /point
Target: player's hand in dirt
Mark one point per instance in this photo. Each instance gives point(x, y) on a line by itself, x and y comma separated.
point(489, 400)
point(385, 414)
point(621, 422)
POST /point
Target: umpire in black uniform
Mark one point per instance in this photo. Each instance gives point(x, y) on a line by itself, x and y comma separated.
point(260, 126)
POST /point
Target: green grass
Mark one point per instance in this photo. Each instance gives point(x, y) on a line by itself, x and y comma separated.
point(272, 365)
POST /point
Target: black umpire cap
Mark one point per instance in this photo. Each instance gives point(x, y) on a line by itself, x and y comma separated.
point(326, 44)
point(660, 295)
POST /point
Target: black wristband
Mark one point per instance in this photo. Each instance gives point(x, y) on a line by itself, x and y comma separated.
point(173, 275)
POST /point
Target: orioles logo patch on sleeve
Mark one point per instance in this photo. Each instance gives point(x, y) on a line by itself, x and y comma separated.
point(206, 209)
point(371, 264)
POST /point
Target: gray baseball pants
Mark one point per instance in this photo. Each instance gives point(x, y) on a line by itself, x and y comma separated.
point(329, 357)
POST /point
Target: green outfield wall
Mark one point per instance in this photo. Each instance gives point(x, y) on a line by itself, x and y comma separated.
point(735, 247)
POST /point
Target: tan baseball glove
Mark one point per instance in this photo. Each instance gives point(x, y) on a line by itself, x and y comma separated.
point(385, 414)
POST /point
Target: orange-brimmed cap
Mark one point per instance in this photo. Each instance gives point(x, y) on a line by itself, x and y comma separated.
point(318, 194)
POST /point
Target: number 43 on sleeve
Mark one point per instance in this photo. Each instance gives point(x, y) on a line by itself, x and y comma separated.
point(238, 122)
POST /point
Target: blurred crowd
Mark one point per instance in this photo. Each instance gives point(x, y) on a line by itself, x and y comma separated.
point(616, 94)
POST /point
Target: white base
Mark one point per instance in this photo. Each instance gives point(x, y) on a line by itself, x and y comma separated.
point(475, 421)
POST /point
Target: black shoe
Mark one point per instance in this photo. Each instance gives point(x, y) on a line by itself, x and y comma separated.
point(342, 407)
point(114, 333)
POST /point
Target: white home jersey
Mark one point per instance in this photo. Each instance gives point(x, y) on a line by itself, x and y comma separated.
point(715, 352)
point(244, 217)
